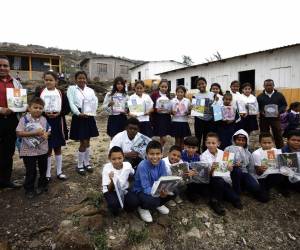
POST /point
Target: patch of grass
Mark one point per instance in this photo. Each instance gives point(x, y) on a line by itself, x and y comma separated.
point(137, 237)
point(75, 219)
point(100, 241)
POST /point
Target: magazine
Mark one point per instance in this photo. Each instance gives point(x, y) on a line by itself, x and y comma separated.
point(202, 169)
point(163, 104)
point(271, 110)
point(180, 169)
point(241, 105)
point(16, 99)
point(217, 109)
point(199, 106)
point(180, 109)
point(289, 160)
point(119, 104)
point(89, 107)
point(52, 103)
point(139, 145)
point(120, 192)
point(135, 108)
point(35, 141)
point(167, 183)
point(228, 113)
point(222, 164)
point(252, 108)
point(269, 159)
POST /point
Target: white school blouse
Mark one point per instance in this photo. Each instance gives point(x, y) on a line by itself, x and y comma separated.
point(76, 96)
point(146, 100)
point(54, 92)
point(250, 99)
point(259, 155)
point(121, 140)
point(169, 165)
point(122, 174)
point(186, 105)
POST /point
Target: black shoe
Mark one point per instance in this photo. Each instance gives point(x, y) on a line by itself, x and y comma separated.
point(88, 168)
point(238, 205)
point(13, 185)
point(217, 207)
point(41, 190)
point(62, 177)
point(80, 171)
point(284, 192)
point(29, 195)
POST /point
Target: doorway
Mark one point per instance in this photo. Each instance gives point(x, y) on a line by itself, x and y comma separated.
point(247, 76)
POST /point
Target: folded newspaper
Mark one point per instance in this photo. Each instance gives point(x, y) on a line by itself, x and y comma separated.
point(166, 183)
point(139, 145)
point(120, 192)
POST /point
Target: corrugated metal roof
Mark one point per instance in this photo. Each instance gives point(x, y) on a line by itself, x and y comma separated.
point(229, 58)
point(95, 57)
point(27, 53)
point(143, 63)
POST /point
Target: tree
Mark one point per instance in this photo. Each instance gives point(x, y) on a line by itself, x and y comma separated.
point(187, 60)
point(214, 57)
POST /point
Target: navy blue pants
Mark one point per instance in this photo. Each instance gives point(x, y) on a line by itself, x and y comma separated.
point(278, 181)
point(220, 190)
point(202, 128)
point(244, 181)
point(131, 202)
point(150, 202)
point(295, 186)
point(134, 161)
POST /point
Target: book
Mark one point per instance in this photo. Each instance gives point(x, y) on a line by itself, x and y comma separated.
point(199, 106)
point(16, 99)
point(180, 109)
point(289, 160)
point(202, 169)
point(120, 192)
point(222, 164)
point(241, 105)
point(163, 104)
point(139, 145)
point(89, 107)
point(52, 103)
point(167, 183)
point(179, 169)
point(119, 104)
point(269, 159)
point(228, 113)
point(34, 141)
point(271, 110)
point(218, 115)
point(136, 108)
point(252, 108)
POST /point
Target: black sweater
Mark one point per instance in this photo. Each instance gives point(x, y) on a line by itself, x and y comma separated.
point(277, 98)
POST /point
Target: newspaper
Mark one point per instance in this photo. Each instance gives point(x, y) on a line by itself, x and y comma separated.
point(136, 108)
point(139, 144)
point(16, 99)
point(52, 103)
point(89, 107)
point(166, 183)
point(120, 192)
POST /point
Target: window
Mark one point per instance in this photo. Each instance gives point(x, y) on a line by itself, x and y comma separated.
point(180, 82)
point(139, 75)
point(101, 68)
point(40, 64)
point(124, 69)
point(18, 62)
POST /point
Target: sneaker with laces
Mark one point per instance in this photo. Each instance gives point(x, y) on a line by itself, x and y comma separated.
point(145, 214)
point(163, 209)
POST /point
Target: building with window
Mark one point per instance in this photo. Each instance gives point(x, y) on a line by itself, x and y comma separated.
point(106, 68)
point(31, 66)
point(280, 64)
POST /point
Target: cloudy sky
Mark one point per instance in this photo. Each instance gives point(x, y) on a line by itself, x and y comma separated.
point(153, 29)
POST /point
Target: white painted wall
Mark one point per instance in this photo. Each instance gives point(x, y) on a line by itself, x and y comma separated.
point(282, 65)
point(150, 69)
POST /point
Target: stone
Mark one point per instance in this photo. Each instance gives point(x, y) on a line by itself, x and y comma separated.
point(92, 223)
point(207, 224)
point(163, 221)
point(88, 211)
point(292, 237)
point(219, 229)
point(34, 244)
point(194, 232)
point(203, 216)
point(73, 239)
point(66, 224)
point(136, 225)
point(184, 221)
point(73, 209)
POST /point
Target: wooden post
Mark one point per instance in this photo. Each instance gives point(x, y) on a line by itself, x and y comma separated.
point(50, 62)
point(30, 68)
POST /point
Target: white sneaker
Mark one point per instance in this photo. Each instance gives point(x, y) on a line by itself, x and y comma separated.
point(178, 199)
point(171, 203)
point(163, 209)
point(145, 214)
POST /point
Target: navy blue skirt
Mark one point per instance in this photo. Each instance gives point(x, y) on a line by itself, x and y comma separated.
point(249, 123)
point(58, 132)
point(146, 129)
point(83, 128)
point(161, 124)
point(180, 129)
point(116, 124)
point(225, 133)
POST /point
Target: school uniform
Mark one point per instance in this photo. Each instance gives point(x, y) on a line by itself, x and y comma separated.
point(293, 122)
point(34, 153)
point(249, 122)
point(145, 124)
point(295, 179)
point(204, 125)
point(272, 176)
point(237, 96)
point(122, 140)
point(116, 121)
point(219, 188)
point(131, 201)
point(242, 175)
point(81, 128)
point(180, 126)
point(144, 179)
point(161, 122)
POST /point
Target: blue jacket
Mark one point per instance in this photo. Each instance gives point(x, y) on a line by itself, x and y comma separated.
point(146, 174)
point(186, 158)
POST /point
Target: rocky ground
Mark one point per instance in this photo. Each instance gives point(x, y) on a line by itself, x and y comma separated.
point(73, 215)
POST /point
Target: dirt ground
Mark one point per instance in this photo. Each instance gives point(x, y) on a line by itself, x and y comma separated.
point(35, 224)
